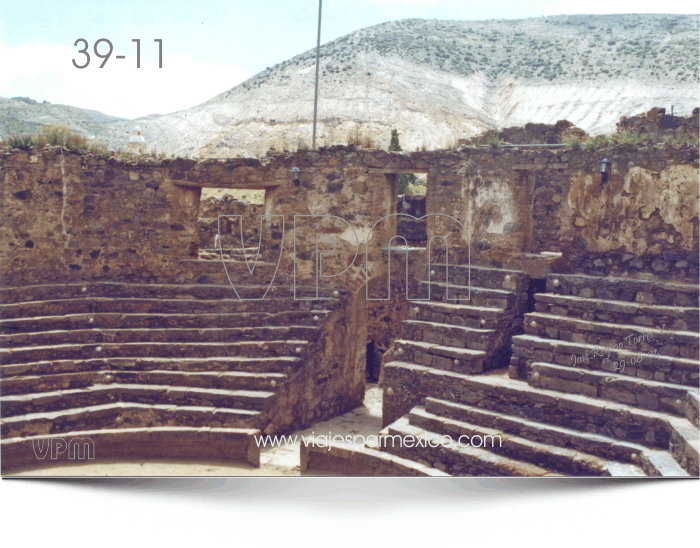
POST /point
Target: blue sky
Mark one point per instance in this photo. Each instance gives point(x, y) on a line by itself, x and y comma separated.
point(209, 45)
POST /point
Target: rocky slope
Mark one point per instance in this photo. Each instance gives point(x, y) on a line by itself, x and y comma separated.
point(438, 81)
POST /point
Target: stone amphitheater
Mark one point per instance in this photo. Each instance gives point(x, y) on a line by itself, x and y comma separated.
point(556, 309)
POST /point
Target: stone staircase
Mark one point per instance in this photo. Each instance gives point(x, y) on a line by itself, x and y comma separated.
point(594, 388)
point(463, 328)
point(146, 361)
point(630, 343)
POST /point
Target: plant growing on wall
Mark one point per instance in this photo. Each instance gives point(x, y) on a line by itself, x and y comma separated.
point(55, 134)
point(22, 143)
point(494, 140)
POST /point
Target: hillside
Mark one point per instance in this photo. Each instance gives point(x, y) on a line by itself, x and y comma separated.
point(22, 115)
point(438, 81)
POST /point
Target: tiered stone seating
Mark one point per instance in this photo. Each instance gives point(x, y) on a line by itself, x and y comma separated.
point(633, 343)
point(133, 360)
point(566, 406)
point(463, 328)
point(207, 269)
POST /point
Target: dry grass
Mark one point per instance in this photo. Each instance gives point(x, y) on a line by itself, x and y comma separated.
point(452, 143)
point(361, 138)
point(330, 136)
point(56, 135)
point(302, 144)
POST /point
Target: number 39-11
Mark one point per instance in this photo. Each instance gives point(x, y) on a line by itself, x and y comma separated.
point(106, 57)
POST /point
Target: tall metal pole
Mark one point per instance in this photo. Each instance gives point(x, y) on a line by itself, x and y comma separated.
point(318, 58)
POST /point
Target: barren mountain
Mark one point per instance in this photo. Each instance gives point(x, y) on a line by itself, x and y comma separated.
point(438, 81)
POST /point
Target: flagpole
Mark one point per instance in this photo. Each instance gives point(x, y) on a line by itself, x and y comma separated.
point(318, 52)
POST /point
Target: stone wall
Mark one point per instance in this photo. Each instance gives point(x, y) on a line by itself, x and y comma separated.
point(539, 134)
point(68, 216)
point(658, 123)
point(74, 216)
point(388, 309)
point(332, 380)
point(643, 220)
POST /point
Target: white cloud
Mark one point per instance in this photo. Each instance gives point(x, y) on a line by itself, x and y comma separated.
point(575, 7)
point(45, 72)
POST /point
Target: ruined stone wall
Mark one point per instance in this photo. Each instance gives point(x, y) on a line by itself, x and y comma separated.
point(643, 220)
point(73, 216)
point(69, 215)
point(332, 380)
point(658, 123)
point(539, 134)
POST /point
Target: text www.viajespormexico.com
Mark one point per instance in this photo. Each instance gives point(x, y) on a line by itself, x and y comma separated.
point(377, 442)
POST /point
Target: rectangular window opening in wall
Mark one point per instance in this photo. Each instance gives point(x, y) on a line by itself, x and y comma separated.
point(229, 203)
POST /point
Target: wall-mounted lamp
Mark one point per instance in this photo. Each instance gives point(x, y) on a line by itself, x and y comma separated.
point(604, 169)
point(295, 175)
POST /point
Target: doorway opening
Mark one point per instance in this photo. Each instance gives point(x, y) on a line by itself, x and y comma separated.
point(374, 363)
point(411, 195)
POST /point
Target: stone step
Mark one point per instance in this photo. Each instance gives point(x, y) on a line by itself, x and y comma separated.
point(446, 358)
point(431, 448)
point(685, 445)
point(625, 289)
point(168, 335)
point(127, 415)
point(46, 402)
point(228, 380)
point(499, 393)
point(106, 320)
point(50, 292)
point(632, 337)
point(570, 462)
point(657, 396)
point(236, 271)
point(693, 408)
point(235, 261)
point(151, 306)
point(448, 335)
point(645, 365)
point(653, 462)
point(482, 276)
point(229, 255)
point(184, 442)
point(474, 295)
point(347, 459)
point(624, 313)
point(282, 364)
point(157, 350)
point(477, 317)
point(250, 251)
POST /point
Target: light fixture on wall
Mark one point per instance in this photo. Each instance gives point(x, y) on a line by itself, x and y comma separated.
point(604, 170)
point(295, 175)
